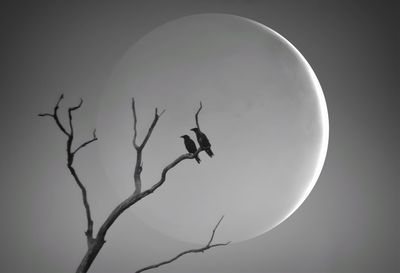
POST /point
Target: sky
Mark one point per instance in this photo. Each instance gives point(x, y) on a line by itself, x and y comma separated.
point(349, 222)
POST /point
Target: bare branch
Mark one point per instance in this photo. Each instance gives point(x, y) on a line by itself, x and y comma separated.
point(96, 243)
point(77, 106)
point(137, 196)
point(197, 115)
point(169, 167)
point(139, 148)
point(70, 110)
point(195, 250)
point(153, 124)
point(162, 112)
point(215, 228)
point(94, 138)
point(59, 100)
point(45, 115)
point(70, 160)
point(134, 124)
point(55, 116)
point(89, 231)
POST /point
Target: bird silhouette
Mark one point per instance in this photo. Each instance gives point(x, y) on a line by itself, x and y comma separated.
point(203, 141)
point(190, 146)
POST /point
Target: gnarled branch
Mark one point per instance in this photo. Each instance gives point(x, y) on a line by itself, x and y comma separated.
point(70, 160)
point(195, 250)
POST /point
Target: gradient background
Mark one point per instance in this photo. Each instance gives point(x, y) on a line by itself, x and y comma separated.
point(349, 223)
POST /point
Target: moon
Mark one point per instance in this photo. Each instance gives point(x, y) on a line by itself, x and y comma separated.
point(263, 110)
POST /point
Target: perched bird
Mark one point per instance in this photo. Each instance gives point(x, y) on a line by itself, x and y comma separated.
point(203, 141)
point(190, 146)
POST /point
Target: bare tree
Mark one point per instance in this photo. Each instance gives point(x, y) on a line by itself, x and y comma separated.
point(95, 243)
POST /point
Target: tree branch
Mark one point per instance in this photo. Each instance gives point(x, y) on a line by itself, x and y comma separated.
point(89, 230)
point(153, 124)
point(55, 116)
point(197, 115)
point(96, 243)
point(70, 110)
point(138, 194)
point(134, 124)
point(135, 197)
point(94, 138)
point(195, 250)
point(169, 167)
point(70, 160)
point(139, 148)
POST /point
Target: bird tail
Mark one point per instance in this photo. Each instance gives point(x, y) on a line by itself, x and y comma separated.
point(209, 152)
point(197, 159)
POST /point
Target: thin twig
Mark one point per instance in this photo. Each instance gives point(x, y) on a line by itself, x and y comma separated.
point(195, 250)
point(70, 110)
point(94, 138)
point(197, 115)
point(153, 124)
point(55, 116)
point(134, 124)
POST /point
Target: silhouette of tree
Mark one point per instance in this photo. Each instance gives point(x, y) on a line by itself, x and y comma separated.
point(96, 242)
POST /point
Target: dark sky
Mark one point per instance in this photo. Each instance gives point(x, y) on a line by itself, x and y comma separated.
point(349, 222)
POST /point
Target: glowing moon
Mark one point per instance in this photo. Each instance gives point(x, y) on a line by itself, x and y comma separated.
point(264, 113)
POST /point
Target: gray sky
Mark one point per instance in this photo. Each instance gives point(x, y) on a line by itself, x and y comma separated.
point(349, 222)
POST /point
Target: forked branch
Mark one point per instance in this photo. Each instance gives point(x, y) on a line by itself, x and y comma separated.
point(139, 148)
point(195, 250)
point(54, 115)
point(94, 138)
point(70, 159)
point(138, 194)
point(153, 124)
point(96, 243)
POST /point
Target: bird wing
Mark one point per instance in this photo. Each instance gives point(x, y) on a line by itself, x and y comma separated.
point(204, 141)
point(191, 146)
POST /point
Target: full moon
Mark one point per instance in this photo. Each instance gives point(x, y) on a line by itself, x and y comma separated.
point(264, 113)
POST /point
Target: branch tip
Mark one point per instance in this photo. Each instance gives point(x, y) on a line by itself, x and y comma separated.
point(59, 100)
point(76, 107)
point(197, 115)
point(196, 250)
point(45, 115)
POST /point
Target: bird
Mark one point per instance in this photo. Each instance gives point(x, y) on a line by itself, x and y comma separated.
point(203, 141)
point(190, 146)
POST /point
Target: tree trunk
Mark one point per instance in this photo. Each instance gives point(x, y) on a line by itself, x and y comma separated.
point(90, 255)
